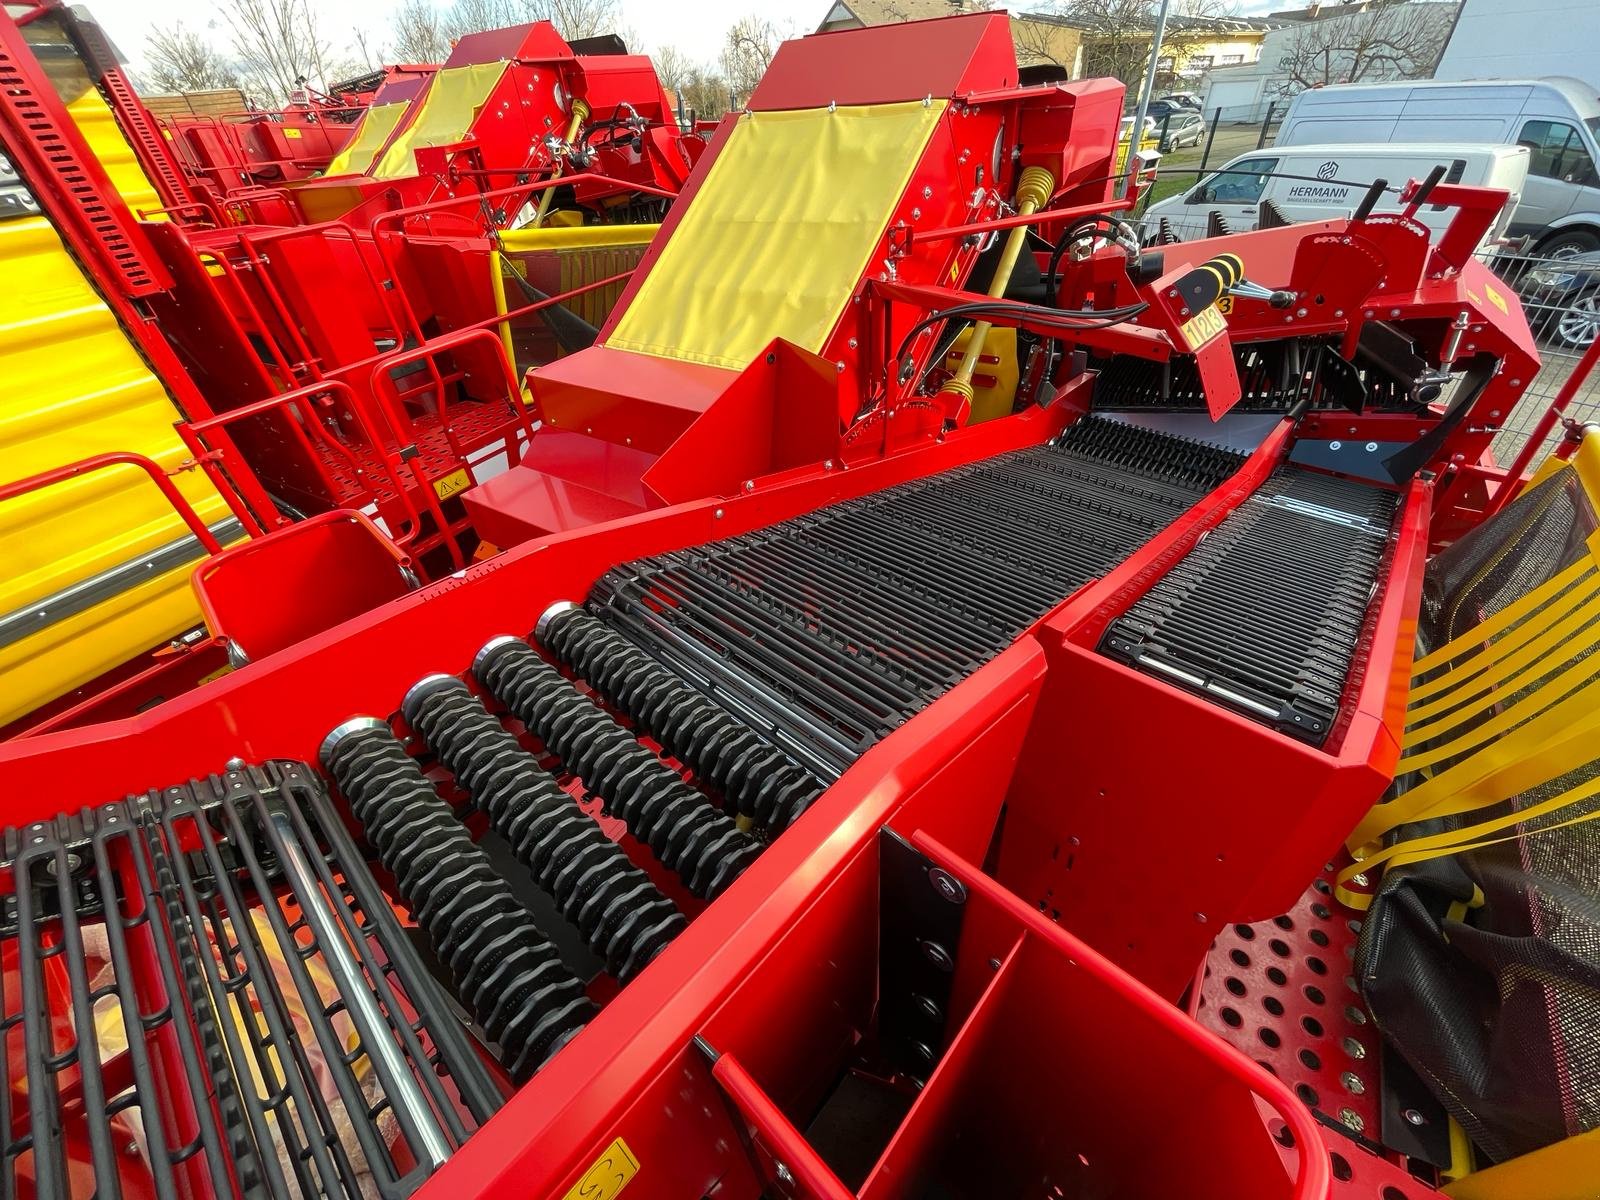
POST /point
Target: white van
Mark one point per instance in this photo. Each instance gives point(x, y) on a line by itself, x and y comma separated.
point(1558, 120)
point(1315, 183)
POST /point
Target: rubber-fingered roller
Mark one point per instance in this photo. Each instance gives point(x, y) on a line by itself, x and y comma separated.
point(620, 913)
point(506, 970)
point(702, 845)
point(758, 779)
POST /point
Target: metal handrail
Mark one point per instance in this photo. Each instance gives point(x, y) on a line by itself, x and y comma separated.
point(213, 460)
point(119, 458)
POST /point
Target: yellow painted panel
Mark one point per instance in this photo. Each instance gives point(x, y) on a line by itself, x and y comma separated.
point(779, 233)
point(92, 115)
point(371, 132)
point(448, 109)
point(77, 387)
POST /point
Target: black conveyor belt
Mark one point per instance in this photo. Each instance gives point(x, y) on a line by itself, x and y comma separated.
point(826, 632)
point(1266, 614)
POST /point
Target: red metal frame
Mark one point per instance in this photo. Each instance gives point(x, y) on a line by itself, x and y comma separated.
point(1097, 874)
point(101, 462)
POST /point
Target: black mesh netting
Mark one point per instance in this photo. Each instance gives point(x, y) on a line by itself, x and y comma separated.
point(1499, 1011)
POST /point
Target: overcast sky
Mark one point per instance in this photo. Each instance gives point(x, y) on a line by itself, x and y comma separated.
point(696, 27)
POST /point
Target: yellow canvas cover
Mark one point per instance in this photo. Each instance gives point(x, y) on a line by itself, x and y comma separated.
point(371, 132)
point(779, 233)
point(449, 107)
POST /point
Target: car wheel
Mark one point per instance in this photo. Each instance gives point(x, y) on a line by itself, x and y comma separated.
point(1565, 245)
point(1577, 327)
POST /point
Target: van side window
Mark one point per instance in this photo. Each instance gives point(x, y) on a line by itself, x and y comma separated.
point(1241, 183)
point(1555, 151)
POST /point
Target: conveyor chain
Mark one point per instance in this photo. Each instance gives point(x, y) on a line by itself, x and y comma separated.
point(1267, 613)
point(824, 633)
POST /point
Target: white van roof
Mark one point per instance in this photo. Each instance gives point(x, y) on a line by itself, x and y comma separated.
point(1387, 150)
point(1580, 95)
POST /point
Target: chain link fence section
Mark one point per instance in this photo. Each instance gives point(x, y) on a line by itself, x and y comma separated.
point(1561, 298)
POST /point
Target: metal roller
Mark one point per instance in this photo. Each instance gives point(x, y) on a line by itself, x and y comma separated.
point(622, 916)
point(506, 971)
point(703, 846)
point(760, 781)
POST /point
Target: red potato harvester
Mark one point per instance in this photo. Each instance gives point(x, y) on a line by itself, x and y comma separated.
point(781, 815)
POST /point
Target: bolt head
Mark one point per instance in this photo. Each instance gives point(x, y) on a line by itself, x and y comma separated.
point(947, 885)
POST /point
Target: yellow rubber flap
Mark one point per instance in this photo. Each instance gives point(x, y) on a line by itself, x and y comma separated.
point(449, 107)
point(371, 132)
point(779, 233)
point(555, 237)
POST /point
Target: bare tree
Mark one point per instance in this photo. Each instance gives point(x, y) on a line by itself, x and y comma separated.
point(747, 53)
point(581, 18)
point(278, 43)
point(1040, 41)
point(1389, 41)
point(705, 93)
point(1117, 33)
point(182, 61)
point(369, 53)
point(418, 34)
point(475, 16)
point(672, 67)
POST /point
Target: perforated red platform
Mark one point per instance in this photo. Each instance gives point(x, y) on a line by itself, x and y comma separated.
point(1283, 991)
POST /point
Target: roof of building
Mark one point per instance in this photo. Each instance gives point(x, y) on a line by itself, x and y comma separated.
point(889, 12)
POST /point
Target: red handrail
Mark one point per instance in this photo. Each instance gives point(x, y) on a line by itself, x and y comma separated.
point(191, 431)
point(118, 458)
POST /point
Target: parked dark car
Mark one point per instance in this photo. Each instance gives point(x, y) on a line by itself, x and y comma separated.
point(1562, 299)
point(1180, 129)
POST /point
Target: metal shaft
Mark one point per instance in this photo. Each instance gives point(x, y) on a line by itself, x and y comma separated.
point(398, 1083)
point(1033, 190)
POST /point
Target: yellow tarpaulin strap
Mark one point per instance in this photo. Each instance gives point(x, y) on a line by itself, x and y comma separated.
point(1477, 639)
point(449, 107)
point(1529, 646)
point(1471, 837)
point(1503, 722)
point(779, 234)
point(371, 132)
point(1558, 740)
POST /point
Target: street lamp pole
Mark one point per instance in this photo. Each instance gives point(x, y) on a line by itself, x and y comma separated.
point(1136, 134)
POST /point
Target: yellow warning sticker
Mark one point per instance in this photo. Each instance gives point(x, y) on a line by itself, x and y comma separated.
point(1495, 298)
point(448, 485)
point(291, 132)
point(1202, 327)
point(612, 1172)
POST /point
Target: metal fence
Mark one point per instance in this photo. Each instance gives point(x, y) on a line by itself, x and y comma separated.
point(1561, 297)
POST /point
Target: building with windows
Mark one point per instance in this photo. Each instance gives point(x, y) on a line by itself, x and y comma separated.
point(1323, 44)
